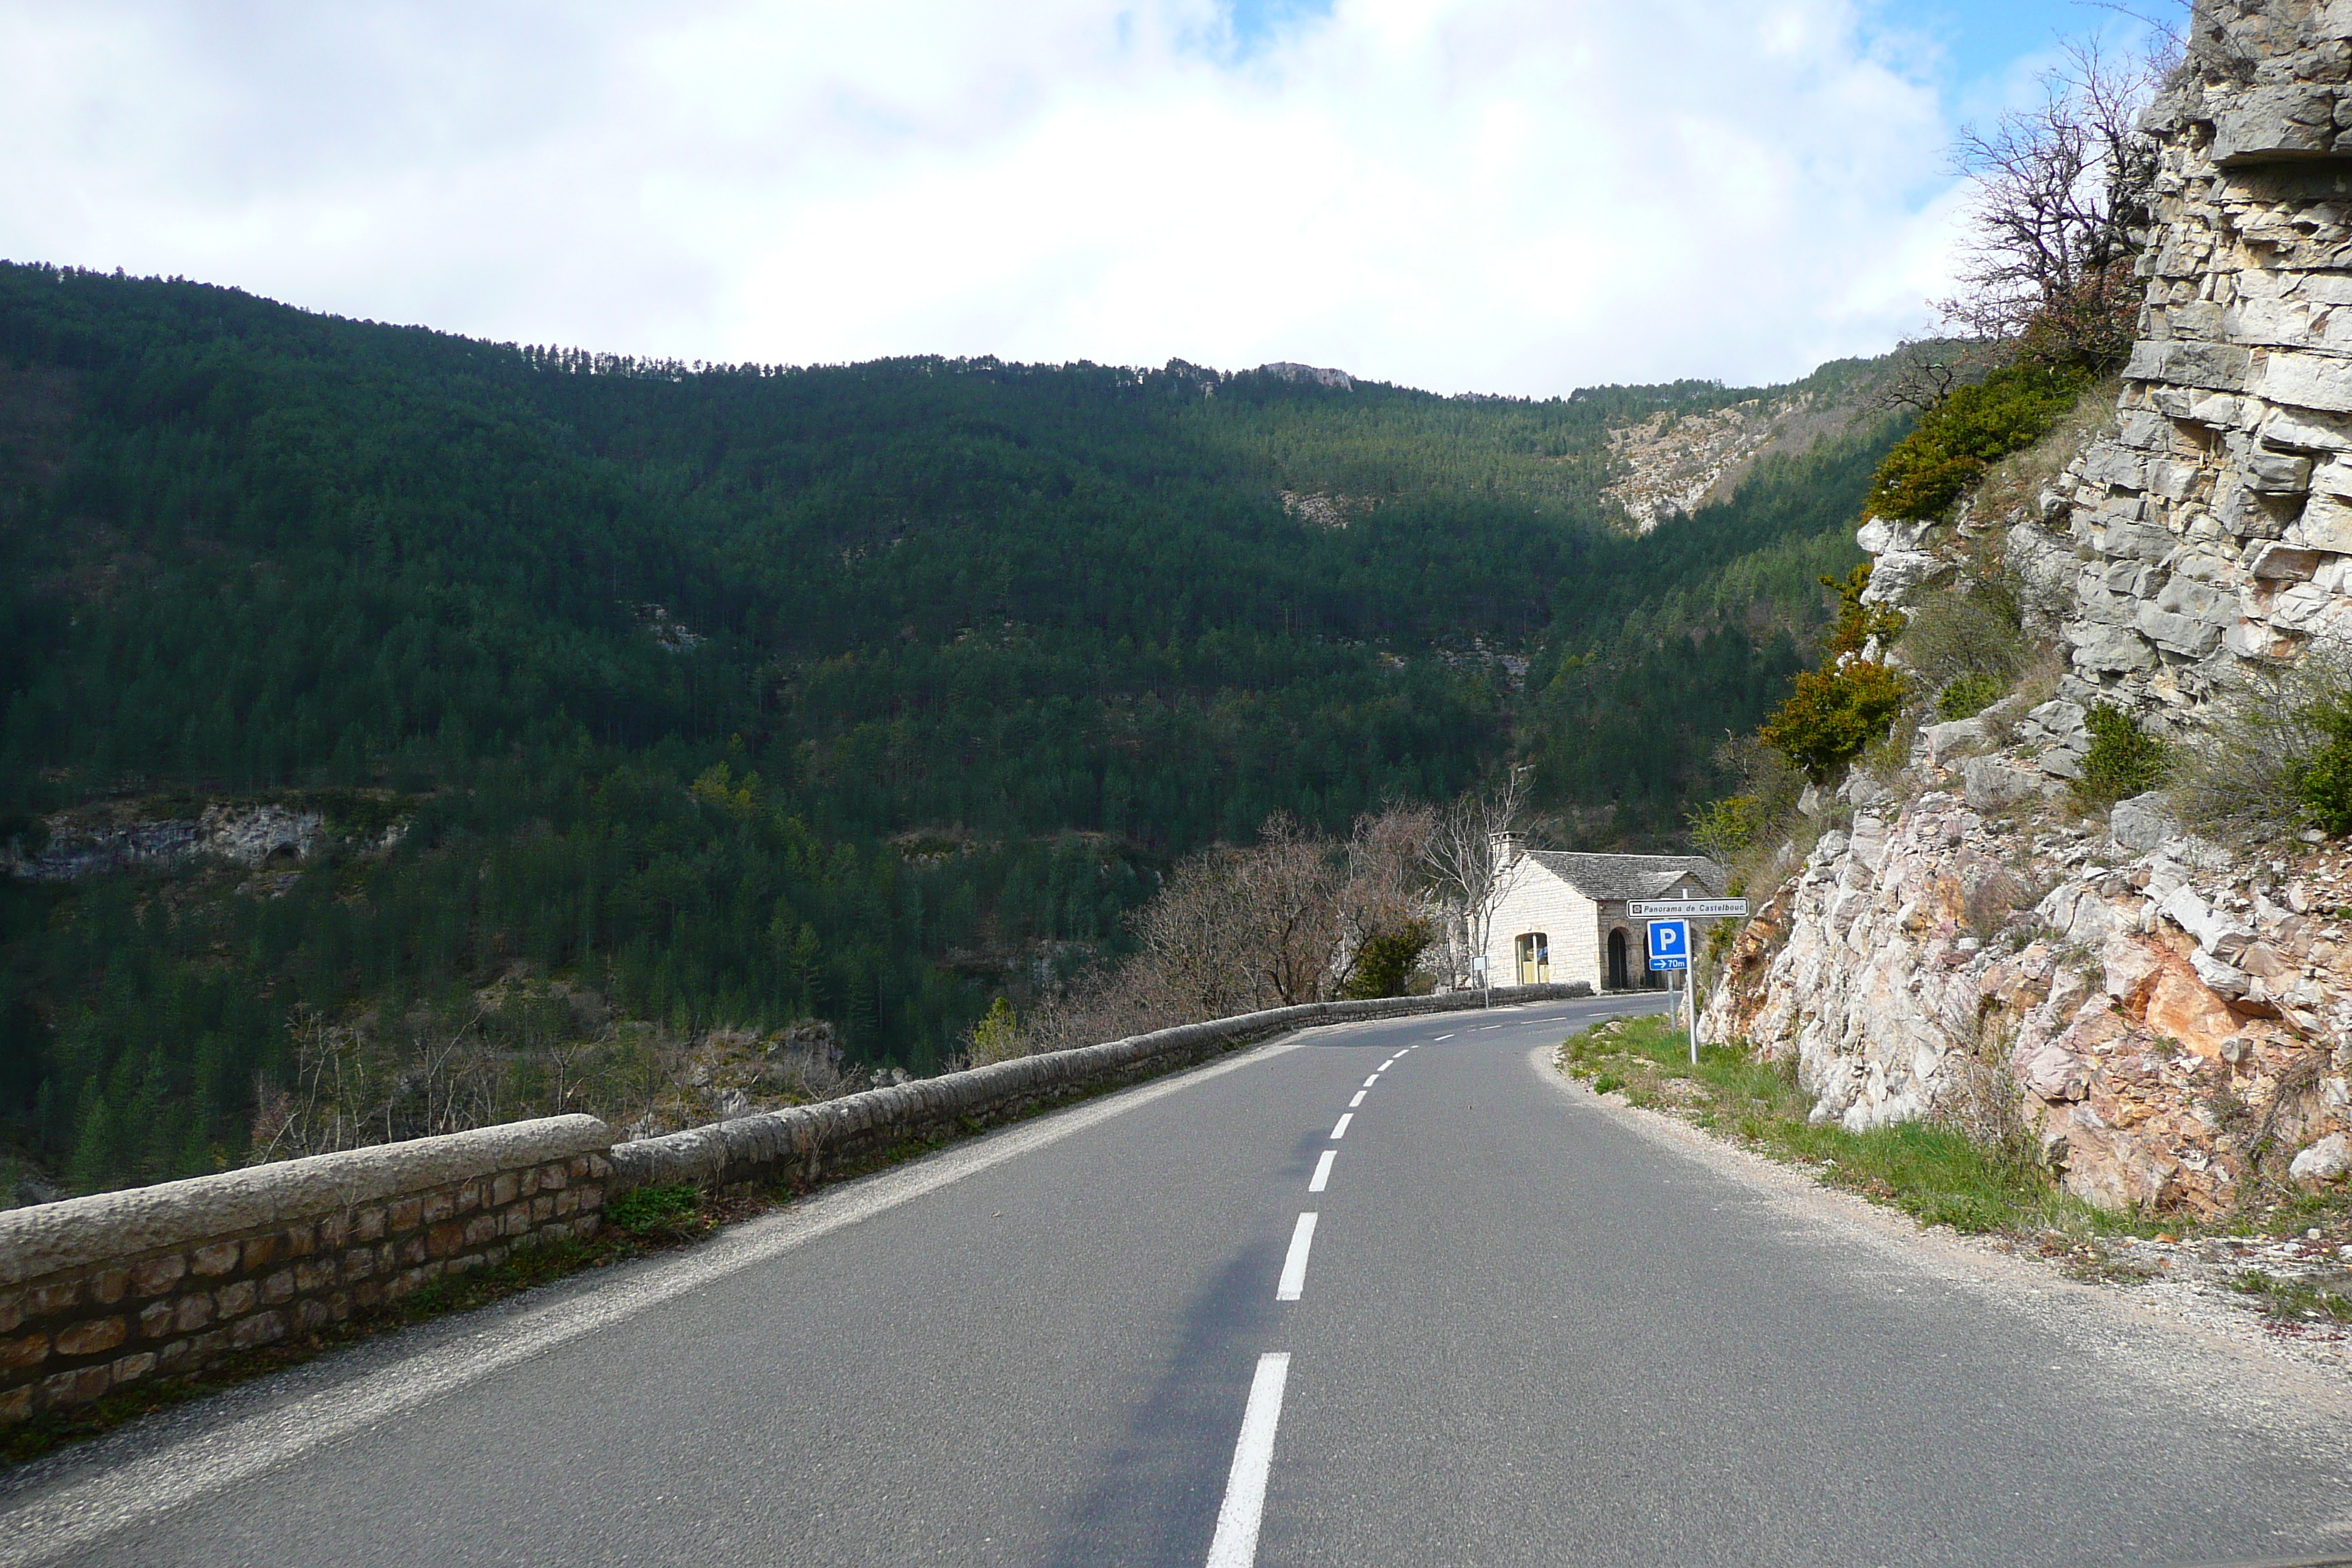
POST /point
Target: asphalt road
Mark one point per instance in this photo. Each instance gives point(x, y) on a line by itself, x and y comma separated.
point(1523, 1333)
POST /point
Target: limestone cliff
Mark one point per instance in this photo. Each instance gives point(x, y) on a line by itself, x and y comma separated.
point(2172, 1011)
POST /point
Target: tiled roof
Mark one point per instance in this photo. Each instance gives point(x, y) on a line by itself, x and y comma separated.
point(1601, 877)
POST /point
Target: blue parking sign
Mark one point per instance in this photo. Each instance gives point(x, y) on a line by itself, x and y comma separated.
point(1670, 944)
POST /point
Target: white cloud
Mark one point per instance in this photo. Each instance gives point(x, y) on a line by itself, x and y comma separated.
point(1490, 195)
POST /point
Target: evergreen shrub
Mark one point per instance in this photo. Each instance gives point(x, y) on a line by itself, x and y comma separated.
point(2123, 759)
point(1969, 696)
point(1953, 442)
point(2321, 782)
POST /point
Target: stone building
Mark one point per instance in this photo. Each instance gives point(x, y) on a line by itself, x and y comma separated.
point(1558, 918)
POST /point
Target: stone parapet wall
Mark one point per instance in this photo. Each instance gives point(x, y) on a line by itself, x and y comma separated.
point(807, 1142)
point(99, 1292)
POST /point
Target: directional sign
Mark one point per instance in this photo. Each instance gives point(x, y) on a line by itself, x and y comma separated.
point(1702, 908)
point(1669, 944)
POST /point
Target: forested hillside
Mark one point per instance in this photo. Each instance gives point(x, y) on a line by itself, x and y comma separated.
point(732, 695)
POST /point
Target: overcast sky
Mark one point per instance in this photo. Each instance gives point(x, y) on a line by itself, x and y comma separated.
point(1495, 195)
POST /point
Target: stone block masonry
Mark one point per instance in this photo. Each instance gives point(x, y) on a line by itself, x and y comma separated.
point(99, 1292)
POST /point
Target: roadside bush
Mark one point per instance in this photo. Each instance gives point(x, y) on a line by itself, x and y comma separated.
point(1971, 429)
point(671, 1212)
point(1385, 963)
point(1721, 829)
point(2123, 759)
point(2321, 782)
point(2274, 758)
point(996, 1037)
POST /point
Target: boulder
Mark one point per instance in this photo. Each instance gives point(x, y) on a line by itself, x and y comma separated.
point(1960, 738)
point(2325, 1160)
point(1989, 782)
point(2142, 823)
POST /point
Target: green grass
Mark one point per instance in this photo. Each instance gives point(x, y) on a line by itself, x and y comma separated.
point(1932, 1172)
point(2297, 1299)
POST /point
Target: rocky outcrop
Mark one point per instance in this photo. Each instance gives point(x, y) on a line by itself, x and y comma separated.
point(254, 836)
point(2212, 531)
point(2168, 1017)
point(2166, 1013)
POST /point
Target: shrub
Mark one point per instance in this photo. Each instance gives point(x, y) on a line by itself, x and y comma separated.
point(996, 1037)
point(1969, 696)
point(1721, 829)
point(1384, 964)
point(1834, 714)
point(2274, 758)
point(1972, 427)
point(2321, 783)
point(672, 1210)
point(2123, 759)
point(1974, 632)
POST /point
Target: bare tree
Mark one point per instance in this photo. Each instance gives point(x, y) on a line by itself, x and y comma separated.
point(1383, 893)
point(1469, 865)
point(1288, 888)
point(1923, 371)
point(1196, 938)
point(2062, 204)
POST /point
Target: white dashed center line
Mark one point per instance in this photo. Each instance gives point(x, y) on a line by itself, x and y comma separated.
point(1341, 1130)
point(1359, 1099)
point(1442, 1038)
point(1322, 1170)
point(1235, 1543)
point(1371, 1081)
point(1294, 1266)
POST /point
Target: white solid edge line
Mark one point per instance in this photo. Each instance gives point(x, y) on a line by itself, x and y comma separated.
point(1235, 1542)
point(117, 1498)
point(1359, 1099)
point(1341, 1130)
point(1322, 1170)
point(1293, 1264)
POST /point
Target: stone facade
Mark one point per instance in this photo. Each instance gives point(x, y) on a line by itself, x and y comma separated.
point(2169, 1012)
point(97, 1293)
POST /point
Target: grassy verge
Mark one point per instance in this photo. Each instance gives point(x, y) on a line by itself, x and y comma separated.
point(1932, 1172)
point(1936, 1175)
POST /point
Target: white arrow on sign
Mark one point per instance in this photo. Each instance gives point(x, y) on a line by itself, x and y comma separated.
point(1702, 907)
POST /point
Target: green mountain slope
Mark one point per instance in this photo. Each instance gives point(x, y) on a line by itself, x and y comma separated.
point(736, 694)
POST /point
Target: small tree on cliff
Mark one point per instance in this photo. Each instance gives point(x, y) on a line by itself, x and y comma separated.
point(2063, 193)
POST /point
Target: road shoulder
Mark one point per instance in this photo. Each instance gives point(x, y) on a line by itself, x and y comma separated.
point(2177, 1336)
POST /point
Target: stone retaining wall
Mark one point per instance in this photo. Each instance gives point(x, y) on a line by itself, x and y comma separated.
point(806, 1142)
point(99, 1292)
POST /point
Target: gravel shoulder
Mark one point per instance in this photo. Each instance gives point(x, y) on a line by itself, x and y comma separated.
point(2183, 1328)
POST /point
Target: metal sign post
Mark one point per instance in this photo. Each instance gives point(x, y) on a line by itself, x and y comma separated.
point(1685, 908)
point(1670, 950)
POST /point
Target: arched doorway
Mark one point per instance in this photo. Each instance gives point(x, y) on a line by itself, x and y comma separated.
point(1535, 959)
point(1618, 979)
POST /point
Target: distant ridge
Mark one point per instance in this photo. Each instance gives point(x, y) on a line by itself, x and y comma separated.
point(1291, 370)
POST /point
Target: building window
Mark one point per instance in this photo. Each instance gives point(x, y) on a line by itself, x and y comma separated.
point(1535, 959)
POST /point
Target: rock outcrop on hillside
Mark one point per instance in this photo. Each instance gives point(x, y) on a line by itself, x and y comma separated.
point(2170, 1012)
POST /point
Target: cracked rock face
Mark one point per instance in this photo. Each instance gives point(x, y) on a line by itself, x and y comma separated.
point(2164, 1008)
point(2214, 527)
point(2166, 1012)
